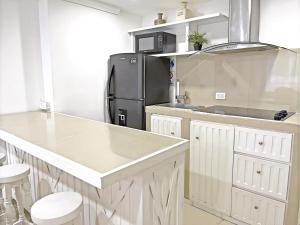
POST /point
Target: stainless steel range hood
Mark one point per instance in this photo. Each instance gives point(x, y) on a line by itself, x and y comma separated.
point(243, 29)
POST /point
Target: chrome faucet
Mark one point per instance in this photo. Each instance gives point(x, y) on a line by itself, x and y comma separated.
point(179, 97)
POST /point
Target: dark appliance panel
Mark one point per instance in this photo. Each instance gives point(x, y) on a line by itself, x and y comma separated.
point(247, 112)
point(127, 79)
point(157, 80)
point(129, 113)
point(157, 42)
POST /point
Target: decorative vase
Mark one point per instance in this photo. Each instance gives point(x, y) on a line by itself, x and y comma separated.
point(159, 19)
point(197, 47)
point(184, 12)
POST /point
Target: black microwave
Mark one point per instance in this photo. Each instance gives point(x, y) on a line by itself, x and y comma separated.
point(158, 42)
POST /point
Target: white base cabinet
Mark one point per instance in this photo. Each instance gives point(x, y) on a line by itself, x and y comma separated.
point(240, 172)
point(236, 172)
point(166, 125)
point(261, 165)
point(255, 209)
point(211, 159)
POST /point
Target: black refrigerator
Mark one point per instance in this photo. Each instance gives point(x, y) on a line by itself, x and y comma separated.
point(135, 81)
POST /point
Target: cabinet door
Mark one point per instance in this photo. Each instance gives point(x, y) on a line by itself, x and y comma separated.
point(256, 210)
point(211, 161)
point(265, 177)
point(267, 144)
point(166, 125)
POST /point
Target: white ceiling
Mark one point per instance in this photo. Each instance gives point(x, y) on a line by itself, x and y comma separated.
point(142, 7)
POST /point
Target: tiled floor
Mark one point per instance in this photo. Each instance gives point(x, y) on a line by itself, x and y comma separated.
point(195, 216)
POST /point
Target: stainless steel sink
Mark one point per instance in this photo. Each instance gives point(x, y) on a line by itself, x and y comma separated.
point(180, 106)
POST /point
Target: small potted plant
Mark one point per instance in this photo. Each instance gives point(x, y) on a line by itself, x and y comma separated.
point(198, 40)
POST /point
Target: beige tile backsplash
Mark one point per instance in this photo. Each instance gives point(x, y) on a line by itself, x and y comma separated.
point(262, 79)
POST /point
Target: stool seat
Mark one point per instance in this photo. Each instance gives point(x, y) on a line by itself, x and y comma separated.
point(2, 158)
point(13, 173)
point(57, 208)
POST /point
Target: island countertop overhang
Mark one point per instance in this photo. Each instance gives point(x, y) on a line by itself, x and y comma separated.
point(95, 152)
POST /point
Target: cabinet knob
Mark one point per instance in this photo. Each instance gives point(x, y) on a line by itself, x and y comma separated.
point(256, 207)
point(260, 143)
point(258, 172)
point(172, 133)
point(197, 138)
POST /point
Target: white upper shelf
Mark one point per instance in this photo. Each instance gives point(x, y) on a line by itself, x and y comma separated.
point(175, 54)
point(206, 19)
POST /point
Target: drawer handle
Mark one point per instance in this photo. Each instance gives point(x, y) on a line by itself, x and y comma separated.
point(256, 207)
point(260, 143)
point(258, 172)
point(172, 133)
point(197, 138)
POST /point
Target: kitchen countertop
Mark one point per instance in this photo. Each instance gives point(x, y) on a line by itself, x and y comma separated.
point(294, 119)
point(95, 152)
point(292, 124)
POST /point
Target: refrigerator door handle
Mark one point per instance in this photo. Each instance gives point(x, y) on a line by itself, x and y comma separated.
point(109, 96)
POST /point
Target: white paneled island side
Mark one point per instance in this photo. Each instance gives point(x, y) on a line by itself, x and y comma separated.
point(125, 176)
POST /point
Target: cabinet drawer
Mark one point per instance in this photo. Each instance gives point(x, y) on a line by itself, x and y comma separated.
point(256, 210)
point(268, 144)
point(166, 125)
point(261, 176)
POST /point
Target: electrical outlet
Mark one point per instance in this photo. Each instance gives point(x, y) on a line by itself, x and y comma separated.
point(45, 106)
point(220, 95)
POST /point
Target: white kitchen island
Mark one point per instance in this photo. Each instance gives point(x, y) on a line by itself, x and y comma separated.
point(125, 176)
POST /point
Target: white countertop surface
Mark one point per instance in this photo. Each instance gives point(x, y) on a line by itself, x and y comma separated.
point(92, 151)
point(294, 119)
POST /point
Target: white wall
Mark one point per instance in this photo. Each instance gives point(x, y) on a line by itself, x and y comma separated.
point(20, 67)
point(81, 41)
point(280, 20)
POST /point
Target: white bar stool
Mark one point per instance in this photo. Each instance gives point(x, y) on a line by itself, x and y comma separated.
point(12, 177)
point(2, 158)
point(2, 211)
point(57, 209)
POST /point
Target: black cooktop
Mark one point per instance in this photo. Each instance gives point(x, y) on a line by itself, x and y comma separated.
point(247, 112)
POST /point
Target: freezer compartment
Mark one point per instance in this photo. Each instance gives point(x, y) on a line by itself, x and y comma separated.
point(128, 113)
